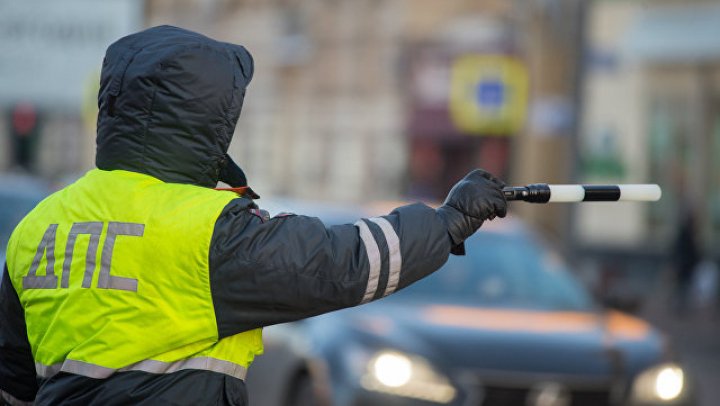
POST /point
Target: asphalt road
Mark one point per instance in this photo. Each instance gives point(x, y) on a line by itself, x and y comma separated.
point(696, 336)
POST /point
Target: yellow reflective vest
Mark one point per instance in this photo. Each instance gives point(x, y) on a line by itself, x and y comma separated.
point(113, 275)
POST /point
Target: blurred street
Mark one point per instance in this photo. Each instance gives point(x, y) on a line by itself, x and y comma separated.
point(696, 338)
point(358, 107)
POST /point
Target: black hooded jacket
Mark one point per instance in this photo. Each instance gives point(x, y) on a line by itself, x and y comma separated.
point(169, 101)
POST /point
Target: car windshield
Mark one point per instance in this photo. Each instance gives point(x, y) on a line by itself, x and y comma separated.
point(500, 270)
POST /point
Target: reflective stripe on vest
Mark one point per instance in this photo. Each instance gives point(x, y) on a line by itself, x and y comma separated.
point(113, 275)
point(151, 366)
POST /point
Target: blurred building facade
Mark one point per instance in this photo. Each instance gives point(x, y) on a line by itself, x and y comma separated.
point(651, 114)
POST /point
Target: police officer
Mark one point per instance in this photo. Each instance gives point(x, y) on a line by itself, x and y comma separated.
point(141, 284)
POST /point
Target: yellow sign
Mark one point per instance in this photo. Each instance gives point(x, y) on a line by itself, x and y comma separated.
point(488, 94)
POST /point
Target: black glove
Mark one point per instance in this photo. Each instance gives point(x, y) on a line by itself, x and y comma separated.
point(476, 198)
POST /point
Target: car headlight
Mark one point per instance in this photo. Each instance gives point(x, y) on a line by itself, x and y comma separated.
point(408, 376)
point(664, 383)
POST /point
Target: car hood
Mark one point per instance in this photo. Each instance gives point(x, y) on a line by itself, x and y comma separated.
point(507, 340)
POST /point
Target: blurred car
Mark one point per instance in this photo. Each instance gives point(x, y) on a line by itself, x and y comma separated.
point(18, 195)
point(507, 324)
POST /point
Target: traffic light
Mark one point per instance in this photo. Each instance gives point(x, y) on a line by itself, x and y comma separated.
point(24, 123)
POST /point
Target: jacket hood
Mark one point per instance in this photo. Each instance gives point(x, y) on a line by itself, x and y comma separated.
point(169, 100)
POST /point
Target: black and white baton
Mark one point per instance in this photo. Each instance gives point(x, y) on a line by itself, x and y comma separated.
point(544, 193)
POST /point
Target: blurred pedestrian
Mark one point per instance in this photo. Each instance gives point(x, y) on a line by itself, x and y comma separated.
point(686, 256)
point(140, 284)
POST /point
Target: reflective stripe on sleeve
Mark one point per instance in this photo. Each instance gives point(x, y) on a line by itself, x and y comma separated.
point(393, 242)
point(151, 366)
point(373, 253)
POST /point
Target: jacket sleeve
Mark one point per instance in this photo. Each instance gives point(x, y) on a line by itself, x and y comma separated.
point(265, 272)
point(18, 382)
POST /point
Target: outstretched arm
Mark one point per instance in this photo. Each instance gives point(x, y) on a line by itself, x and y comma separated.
point(292, 267)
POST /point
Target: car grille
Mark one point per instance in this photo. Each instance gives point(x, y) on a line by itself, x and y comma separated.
point(499, 396)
